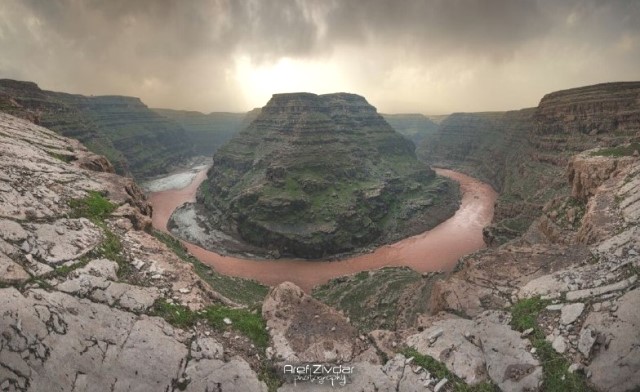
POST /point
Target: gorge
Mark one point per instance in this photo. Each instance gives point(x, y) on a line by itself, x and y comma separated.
point(314, 176)
point(92, 297)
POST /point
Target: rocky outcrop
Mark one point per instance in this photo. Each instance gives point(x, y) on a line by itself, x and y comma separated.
point(136, 140)
point(588, 170)
point(305, 330)
point(207, 132)
point(483, 348)
point(591, 280)
point(78, 293)
point(315, 176)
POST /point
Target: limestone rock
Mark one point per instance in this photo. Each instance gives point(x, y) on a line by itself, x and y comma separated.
point(298, 335)
point(616, 366)
point(559, 345)
point(213, 374)
point(63, 240)
point(461, 354)
point(10, 271)
point(71, 336)
point(509, 362)
point(11, 231)
point(571, 312)
point(587, 172)
point(587, 339)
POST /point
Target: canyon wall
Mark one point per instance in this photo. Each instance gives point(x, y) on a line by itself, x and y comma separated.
point(314, 176)
point(524, 154)
point(136, 140)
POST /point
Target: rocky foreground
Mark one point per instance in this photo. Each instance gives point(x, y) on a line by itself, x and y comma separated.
point(80, 278)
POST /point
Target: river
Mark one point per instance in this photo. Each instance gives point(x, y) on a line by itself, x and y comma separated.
point(434, 250)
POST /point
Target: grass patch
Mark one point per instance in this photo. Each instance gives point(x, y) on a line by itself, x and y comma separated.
point(270, 376)
point(62, 157)
point(439, 370)
point(244, 291)
point(97, 208)
point(556, 376)
point(94, 207)
point(618, 151)
point(250, 324)
point(371, 299)
point(525, 312)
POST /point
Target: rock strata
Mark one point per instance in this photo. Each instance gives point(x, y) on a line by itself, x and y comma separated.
point(135, 139)
point(314, 176)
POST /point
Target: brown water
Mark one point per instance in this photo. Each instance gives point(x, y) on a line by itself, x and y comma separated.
point(435, 250)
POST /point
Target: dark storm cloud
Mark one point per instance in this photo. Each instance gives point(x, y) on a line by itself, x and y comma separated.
point(183, 53)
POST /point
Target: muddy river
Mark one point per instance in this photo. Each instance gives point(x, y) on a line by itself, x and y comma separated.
point(434, 250)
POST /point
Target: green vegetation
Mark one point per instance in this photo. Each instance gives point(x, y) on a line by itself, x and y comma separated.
point(555, 367)
point(251, 324)
point(525, 312)
point(97, 208)
point(270, 375)
point(62, 157)
point(94, 207)
point(439, 370)
point(380, 299)
point(244, 291)
point(618, 151)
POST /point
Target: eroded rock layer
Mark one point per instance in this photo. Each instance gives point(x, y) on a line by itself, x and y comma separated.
point(136, 140)
point(524, 153)
point(316, 175)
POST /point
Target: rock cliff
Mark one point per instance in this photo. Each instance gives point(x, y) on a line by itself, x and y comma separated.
point(313, 176)
point(136, 140)
point(524, 153)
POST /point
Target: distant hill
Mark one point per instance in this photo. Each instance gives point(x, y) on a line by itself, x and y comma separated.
point(413, 126)
point(207, 132)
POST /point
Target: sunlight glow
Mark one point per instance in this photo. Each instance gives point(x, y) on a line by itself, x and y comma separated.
point(259, 81)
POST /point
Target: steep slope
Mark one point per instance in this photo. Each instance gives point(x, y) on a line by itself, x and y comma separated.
point(318, 175)
point(413, 126)
point(524, 153)
point(82, 284)
point(136, 140)
point(207, 132)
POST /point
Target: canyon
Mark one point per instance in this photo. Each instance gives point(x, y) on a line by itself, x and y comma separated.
point(311, 177)
point(92, 298)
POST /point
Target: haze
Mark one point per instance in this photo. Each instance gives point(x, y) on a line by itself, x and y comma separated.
point(404, 56)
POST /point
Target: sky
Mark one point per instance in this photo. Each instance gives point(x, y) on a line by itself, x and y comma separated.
point(425, 56)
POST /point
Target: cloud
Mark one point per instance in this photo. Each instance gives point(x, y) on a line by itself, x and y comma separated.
point(439, 55)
